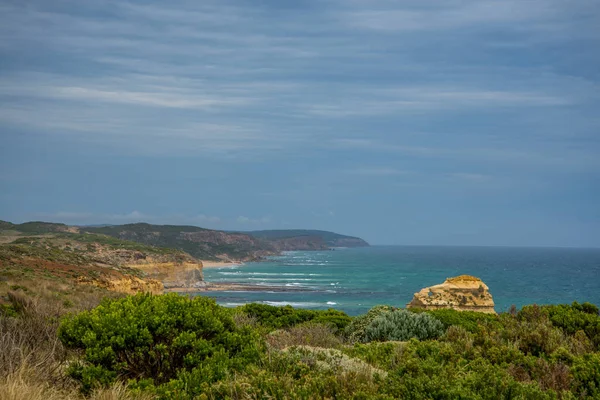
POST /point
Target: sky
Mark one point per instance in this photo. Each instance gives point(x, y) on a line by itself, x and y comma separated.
point(442, 122)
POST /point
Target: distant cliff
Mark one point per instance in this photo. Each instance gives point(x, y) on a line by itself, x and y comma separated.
point(200, 243)
point(304, 239)
point(207, 244)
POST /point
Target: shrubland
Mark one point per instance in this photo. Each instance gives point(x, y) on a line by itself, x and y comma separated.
point(176, 347)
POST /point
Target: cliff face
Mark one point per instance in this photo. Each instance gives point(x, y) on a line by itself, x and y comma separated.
point(463, 293)
point(173, 275)
point(123, 283)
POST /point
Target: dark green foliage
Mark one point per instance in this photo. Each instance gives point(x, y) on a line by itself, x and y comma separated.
point(178, 348)
point(38, 227)
point(403, 325)
point(469, 320)
point(158, 338)
point(570, 318)
point(439, 370)
point(586, 374)
point(287, 316)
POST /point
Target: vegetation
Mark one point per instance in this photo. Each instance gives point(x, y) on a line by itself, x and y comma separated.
point(284, 317)
point(167, 342)
point(204, 244)
point(201, 243)
point(63, 340)
point(330, 238)
point(403, 325)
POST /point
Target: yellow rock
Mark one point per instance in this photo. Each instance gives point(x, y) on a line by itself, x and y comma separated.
point(173, 275)
point(463, 293)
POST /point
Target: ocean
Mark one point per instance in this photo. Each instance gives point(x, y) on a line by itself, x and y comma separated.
point(354, 280)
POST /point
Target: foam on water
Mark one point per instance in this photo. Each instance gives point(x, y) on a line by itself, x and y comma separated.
point(358, 279)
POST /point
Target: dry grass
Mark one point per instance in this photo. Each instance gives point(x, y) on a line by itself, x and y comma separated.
point(32, 358)
point(24, 385)
point(31, 338)
point(315, 335)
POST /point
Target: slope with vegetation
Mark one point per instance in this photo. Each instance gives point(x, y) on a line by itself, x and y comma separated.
point(59, 251)
point(175, 347)
point(303, 239)
point(203, 244)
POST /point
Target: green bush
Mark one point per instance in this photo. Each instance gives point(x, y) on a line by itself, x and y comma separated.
point(586, 371)
point(403, 325)
point(157, 338)
point(355, 331)
point(284, 317)
point(469, 320)
point(570, 318)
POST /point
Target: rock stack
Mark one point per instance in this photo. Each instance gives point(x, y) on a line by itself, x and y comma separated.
point(463, 293)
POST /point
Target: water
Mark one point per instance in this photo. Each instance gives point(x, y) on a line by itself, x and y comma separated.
point(354, 280)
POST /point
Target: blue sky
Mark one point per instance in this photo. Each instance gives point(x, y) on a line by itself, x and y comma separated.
point(451, 122)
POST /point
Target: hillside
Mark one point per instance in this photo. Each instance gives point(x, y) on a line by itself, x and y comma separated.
point(61, 252)
point(204, 244)
point(201, 243)
point(327, 239)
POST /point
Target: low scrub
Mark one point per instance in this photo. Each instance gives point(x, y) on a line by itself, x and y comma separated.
point(403, 325)
point(469, 320)
point(284, 317)
point(356, 330)
point(309, 334)
point(167, 340)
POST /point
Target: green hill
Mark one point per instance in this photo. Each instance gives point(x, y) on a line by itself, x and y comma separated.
point(205, 244)
point(201, 243)
point(331, 239)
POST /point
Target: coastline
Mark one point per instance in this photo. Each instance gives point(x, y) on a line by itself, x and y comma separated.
point(217, 264)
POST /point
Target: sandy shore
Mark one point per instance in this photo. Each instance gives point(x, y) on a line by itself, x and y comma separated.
point(214, 264)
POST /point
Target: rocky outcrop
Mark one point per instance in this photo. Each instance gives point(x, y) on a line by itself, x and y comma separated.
point(463, 293)
point(123, 283)
point(173, 275)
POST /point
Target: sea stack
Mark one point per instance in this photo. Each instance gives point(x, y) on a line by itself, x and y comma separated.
point(463, 293)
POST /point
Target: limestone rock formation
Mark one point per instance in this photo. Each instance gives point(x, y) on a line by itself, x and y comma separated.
point(463, 293)
point(173, 275)
point(122, 283)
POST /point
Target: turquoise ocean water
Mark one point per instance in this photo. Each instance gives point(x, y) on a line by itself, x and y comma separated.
point(354, 280)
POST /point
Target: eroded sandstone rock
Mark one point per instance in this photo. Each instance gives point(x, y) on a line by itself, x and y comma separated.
point(463, 293)
point(173, 275)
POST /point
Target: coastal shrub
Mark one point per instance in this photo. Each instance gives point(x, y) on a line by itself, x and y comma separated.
point(157, 339)
point(355, 331)
point(403, 325)
point(469, 320)
point(438, 370)
point(304, 373)
point(284, 317)
point(586, 374)
point(308, 334)
point(570, 318)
